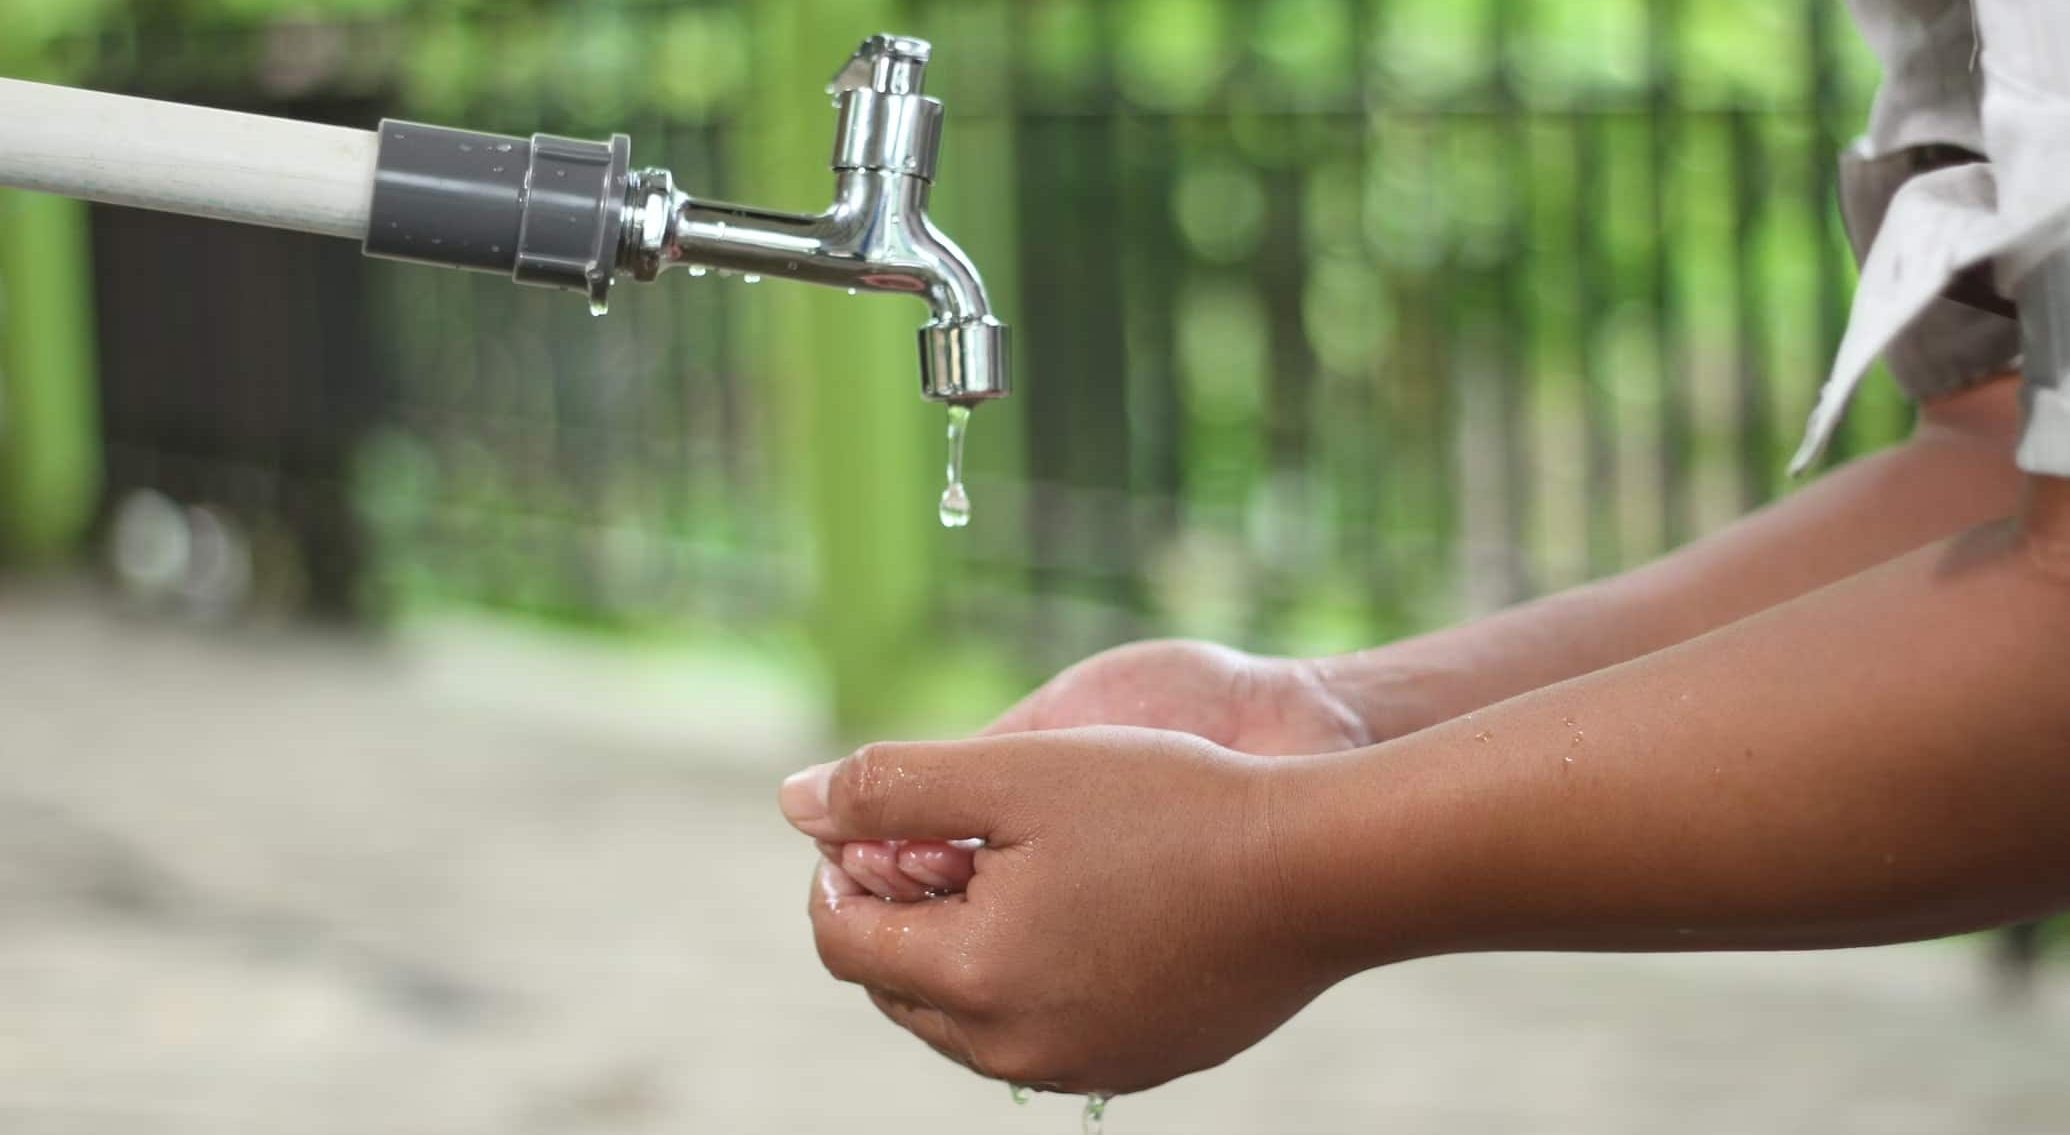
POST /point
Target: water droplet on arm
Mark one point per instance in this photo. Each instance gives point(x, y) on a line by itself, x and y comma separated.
point(1019, 1092)
point(955, 510)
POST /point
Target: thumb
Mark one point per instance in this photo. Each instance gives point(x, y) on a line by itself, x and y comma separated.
point(940, 791)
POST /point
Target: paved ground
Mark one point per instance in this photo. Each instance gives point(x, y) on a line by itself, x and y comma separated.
point(471, 885)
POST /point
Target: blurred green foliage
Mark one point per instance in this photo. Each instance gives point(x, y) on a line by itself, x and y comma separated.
point(1349, 316)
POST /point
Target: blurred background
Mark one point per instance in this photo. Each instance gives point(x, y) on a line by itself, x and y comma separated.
point(395, 665)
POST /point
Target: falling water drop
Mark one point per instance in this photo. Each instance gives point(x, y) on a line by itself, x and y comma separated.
point(854, 291)
point(751, 278)
point(955, 508)
point(699, 270)
point(1020, 1093)
point(1095, 1119)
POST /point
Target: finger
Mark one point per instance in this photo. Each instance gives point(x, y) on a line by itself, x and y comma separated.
point(938, 866)
point(856, 864)
point(830, 884)
point(935, 1028)
point(907, 949)
point(876, 866)
point(940, 791)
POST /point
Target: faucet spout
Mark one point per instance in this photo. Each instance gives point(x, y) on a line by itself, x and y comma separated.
point(876, 236)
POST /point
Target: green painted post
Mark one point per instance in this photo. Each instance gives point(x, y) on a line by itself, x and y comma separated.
point(50, 462)
point(49, 418)
point(855, 441)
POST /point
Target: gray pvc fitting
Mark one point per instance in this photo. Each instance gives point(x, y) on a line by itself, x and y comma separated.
point(546, 210)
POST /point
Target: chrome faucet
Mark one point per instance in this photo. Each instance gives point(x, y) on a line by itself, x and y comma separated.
point(546, 210)
point(875, 237)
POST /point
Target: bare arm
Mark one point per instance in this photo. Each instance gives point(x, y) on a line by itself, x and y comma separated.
point(1953, 474)
point(1879, 760)
point(1882, 760)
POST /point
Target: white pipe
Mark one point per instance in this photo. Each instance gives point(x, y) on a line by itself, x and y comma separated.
point(186, 159)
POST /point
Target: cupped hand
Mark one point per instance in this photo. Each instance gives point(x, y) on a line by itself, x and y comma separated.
point(1239, 701)
point(1126, 923)
point(1246, 702)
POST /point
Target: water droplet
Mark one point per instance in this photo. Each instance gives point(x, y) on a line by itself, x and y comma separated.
point(599, 307)
point(1020, 1093)
point(1094, 1121)
point(955, 506)
point(495, 169)
point(854, 292)
point(751, 278)
point(560, 173)
point(495, 248)
point(699, 270)
point(466, 147)
point(502, 147)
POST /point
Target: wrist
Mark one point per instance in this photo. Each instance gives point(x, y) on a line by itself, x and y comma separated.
point(1381, 692)
point(1373, 855)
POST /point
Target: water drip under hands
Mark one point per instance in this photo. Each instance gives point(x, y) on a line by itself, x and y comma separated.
point(1094, 1121)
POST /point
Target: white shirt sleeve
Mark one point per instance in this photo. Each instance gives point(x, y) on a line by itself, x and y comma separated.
point(2007, 63)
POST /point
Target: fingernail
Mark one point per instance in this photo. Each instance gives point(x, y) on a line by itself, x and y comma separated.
point(862, 866)
point(804, 796)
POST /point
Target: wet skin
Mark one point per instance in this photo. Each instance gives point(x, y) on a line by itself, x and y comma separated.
point(1838, 723)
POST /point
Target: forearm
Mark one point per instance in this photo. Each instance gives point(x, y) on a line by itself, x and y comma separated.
point(1881, 760)
point(1955, 473)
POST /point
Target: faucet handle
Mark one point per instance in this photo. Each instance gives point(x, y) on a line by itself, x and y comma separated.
point(887, 64)
point(886, 122)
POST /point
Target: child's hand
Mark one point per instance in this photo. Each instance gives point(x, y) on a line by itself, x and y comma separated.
point(1262, 706)
point(1268, 707)
point(1132, 925)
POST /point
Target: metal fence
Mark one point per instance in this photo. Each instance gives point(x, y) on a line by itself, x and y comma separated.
point(1339, 318)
